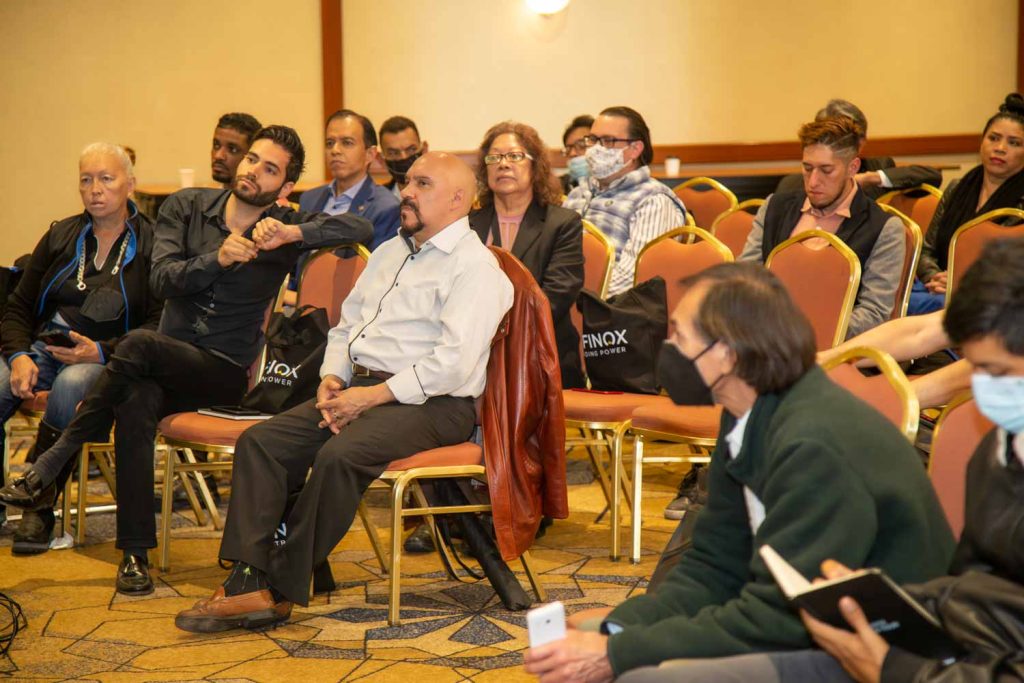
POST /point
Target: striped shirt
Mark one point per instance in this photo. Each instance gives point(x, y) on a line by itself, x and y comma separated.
point(632, 211)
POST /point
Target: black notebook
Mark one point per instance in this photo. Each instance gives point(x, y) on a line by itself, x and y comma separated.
point(234, 413)
point(890, 610)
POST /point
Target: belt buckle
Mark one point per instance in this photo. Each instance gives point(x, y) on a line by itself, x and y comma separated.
point(360, 370)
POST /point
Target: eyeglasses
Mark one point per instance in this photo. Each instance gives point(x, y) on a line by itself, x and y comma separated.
point(606, 141)
point(511, 157)
point(578, 146)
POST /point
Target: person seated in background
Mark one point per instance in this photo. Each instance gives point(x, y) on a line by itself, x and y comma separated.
point(876, 175)
point(996, 183)
point(350, 146)
point(231, 140)
point(907, 339)
point(219, 258)
point(620, 197)
point(575, 147)
point(981, 605)
point(87, 280)
point(787, 433)
point(401, 373)
point(400, 146)
point(831, 200)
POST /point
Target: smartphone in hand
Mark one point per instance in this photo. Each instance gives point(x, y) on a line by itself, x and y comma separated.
point(60, 339)
point(546, 624)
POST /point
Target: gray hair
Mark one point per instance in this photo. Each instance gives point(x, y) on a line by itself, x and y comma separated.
point(113, 150)
point(843, 108)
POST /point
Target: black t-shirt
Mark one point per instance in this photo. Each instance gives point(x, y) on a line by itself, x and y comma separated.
point(69, 298)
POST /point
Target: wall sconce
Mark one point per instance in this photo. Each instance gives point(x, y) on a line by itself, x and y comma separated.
point(547, 8)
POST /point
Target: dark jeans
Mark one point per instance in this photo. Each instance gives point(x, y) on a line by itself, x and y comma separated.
point(273, 458)
point(149, 377)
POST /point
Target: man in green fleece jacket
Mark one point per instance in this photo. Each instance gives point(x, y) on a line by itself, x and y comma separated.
point(801, 465)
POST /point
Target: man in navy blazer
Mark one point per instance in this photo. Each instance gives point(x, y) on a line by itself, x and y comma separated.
point(350, 147)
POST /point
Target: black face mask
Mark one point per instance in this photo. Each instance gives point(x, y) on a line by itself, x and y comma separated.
point(399, 167)
point(679, 376)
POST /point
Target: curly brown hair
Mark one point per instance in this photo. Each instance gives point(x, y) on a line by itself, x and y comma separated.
point(545, 188)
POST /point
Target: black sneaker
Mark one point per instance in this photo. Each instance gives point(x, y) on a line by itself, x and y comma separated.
point(32, 536)
point(689, 496)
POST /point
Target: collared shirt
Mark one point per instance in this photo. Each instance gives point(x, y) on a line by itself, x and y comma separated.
point(222, 309)
point(812, 218)
point(341, 203)
point(734, 440)
point(426, 315)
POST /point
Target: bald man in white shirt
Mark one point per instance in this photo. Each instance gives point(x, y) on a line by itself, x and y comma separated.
point(400, 375)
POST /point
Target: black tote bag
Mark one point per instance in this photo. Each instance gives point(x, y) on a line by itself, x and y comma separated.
point(295, 352)
point(622, 337)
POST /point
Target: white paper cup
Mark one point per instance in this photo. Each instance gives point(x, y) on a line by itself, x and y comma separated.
point(672, 166)
point(187, 177)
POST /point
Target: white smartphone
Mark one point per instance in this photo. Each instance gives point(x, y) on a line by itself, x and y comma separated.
point(546, 623)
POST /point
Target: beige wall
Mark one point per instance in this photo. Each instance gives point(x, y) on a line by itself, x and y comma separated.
point(152, 74)
point(156, 74)
point(700, 71)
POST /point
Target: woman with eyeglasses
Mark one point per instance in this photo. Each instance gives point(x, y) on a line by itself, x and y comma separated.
point(86, 285)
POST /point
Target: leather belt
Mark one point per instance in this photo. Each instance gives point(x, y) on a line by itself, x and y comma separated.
point(360, 371)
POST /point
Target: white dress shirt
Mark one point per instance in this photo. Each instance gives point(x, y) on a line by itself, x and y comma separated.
point(734, 440)
point(427, 316)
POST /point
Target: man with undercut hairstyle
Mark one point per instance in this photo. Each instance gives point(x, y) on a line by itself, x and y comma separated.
point(231, 140)
point(400, 145)
point(218, 260)
point(401, 373)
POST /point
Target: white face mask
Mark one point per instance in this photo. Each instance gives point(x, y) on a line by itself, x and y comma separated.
point(604, 162)
point(1000, 399)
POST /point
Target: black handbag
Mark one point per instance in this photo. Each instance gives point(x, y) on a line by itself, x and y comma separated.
point(622, 337)
point(295, 352)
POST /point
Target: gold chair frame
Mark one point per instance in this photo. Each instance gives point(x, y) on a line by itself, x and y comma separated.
point(985, 217)
point(852, 284)
point(911, 226)
point(596, 233)
point(889, 196)
point(715, 186)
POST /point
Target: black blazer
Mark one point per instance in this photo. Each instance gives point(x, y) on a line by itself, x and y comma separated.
point(900, 176)
point(550, 245)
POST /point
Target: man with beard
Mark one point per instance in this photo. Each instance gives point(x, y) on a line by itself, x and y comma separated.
point(231, 140)
point(400, 146)
point(400, 375)
point(219, 258)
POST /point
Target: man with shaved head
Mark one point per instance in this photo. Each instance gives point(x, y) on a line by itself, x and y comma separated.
point(400, 375)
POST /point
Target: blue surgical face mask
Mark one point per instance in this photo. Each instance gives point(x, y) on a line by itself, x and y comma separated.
point(579, 168)
point(1000, 399)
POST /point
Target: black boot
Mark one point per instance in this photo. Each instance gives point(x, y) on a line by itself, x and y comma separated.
point(32, 535)
point(46, 436)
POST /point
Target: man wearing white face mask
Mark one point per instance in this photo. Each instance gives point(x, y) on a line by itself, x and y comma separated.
point(620, 197)
point(981, 605)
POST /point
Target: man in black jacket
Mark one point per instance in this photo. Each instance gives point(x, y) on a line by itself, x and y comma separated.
point(218, 260)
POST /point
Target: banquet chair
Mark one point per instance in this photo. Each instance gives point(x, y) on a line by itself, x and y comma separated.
point(733, 226)
point(959, 429)
point(970, 238)
point(913, 240)
point(705, 204)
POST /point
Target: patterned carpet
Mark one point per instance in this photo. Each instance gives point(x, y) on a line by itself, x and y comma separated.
point(79, 629)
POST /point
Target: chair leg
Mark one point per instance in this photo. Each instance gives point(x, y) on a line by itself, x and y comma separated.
point(167, 507)
point(395, 573)
point(442, 548)
point(65, 508)
point(618, 481)
point(197, 508)
point(374, 535)
point(638, 473)
point(83, 491)
point(538, 589)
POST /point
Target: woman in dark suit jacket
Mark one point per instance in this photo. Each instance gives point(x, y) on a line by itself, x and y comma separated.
point(519, 211)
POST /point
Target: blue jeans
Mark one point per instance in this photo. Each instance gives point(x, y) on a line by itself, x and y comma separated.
point(67, 385)
point(922, 301)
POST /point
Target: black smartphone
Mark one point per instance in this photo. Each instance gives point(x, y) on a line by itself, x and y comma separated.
point(236, 410)
point(57, 339)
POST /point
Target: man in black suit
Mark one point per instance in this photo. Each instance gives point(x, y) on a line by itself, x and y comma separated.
point(877, 175)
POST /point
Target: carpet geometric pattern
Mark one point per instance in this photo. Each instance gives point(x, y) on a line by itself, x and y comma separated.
point(79, 629)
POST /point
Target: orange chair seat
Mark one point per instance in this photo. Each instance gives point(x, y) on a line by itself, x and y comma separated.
point(458, 455)
point(596, 407)
point(36, 404)
point(216, 431)
point(695, 421)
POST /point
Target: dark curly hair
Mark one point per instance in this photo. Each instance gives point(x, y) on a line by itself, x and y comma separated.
point(288, 139)
point(545, 190)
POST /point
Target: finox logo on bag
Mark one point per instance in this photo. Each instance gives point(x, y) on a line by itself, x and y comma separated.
point(605, 343)
point(277, 372)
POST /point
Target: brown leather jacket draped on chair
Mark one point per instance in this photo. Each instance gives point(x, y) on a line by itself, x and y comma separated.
point(523, 418)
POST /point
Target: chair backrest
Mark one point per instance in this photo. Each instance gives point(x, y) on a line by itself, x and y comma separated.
point(913, 240)
point(822, 281)
point(674, 259)
point(328, 276)
point(958, 431)
point(598, 259)
point(705, 204)
point(888, 392)
point(917, 203)
point(733, 226)
point(970, 238)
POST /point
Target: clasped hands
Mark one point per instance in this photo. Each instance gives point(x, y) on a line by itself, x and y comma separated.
point(338, 406)
point(268, 234)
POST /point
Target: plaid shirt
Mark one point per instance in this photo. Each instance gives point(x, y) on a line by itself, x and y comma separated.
point(632, 211)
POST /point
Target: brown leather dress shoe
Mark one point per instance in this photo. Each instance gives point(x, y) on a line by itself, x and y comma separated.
point(255, 609)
